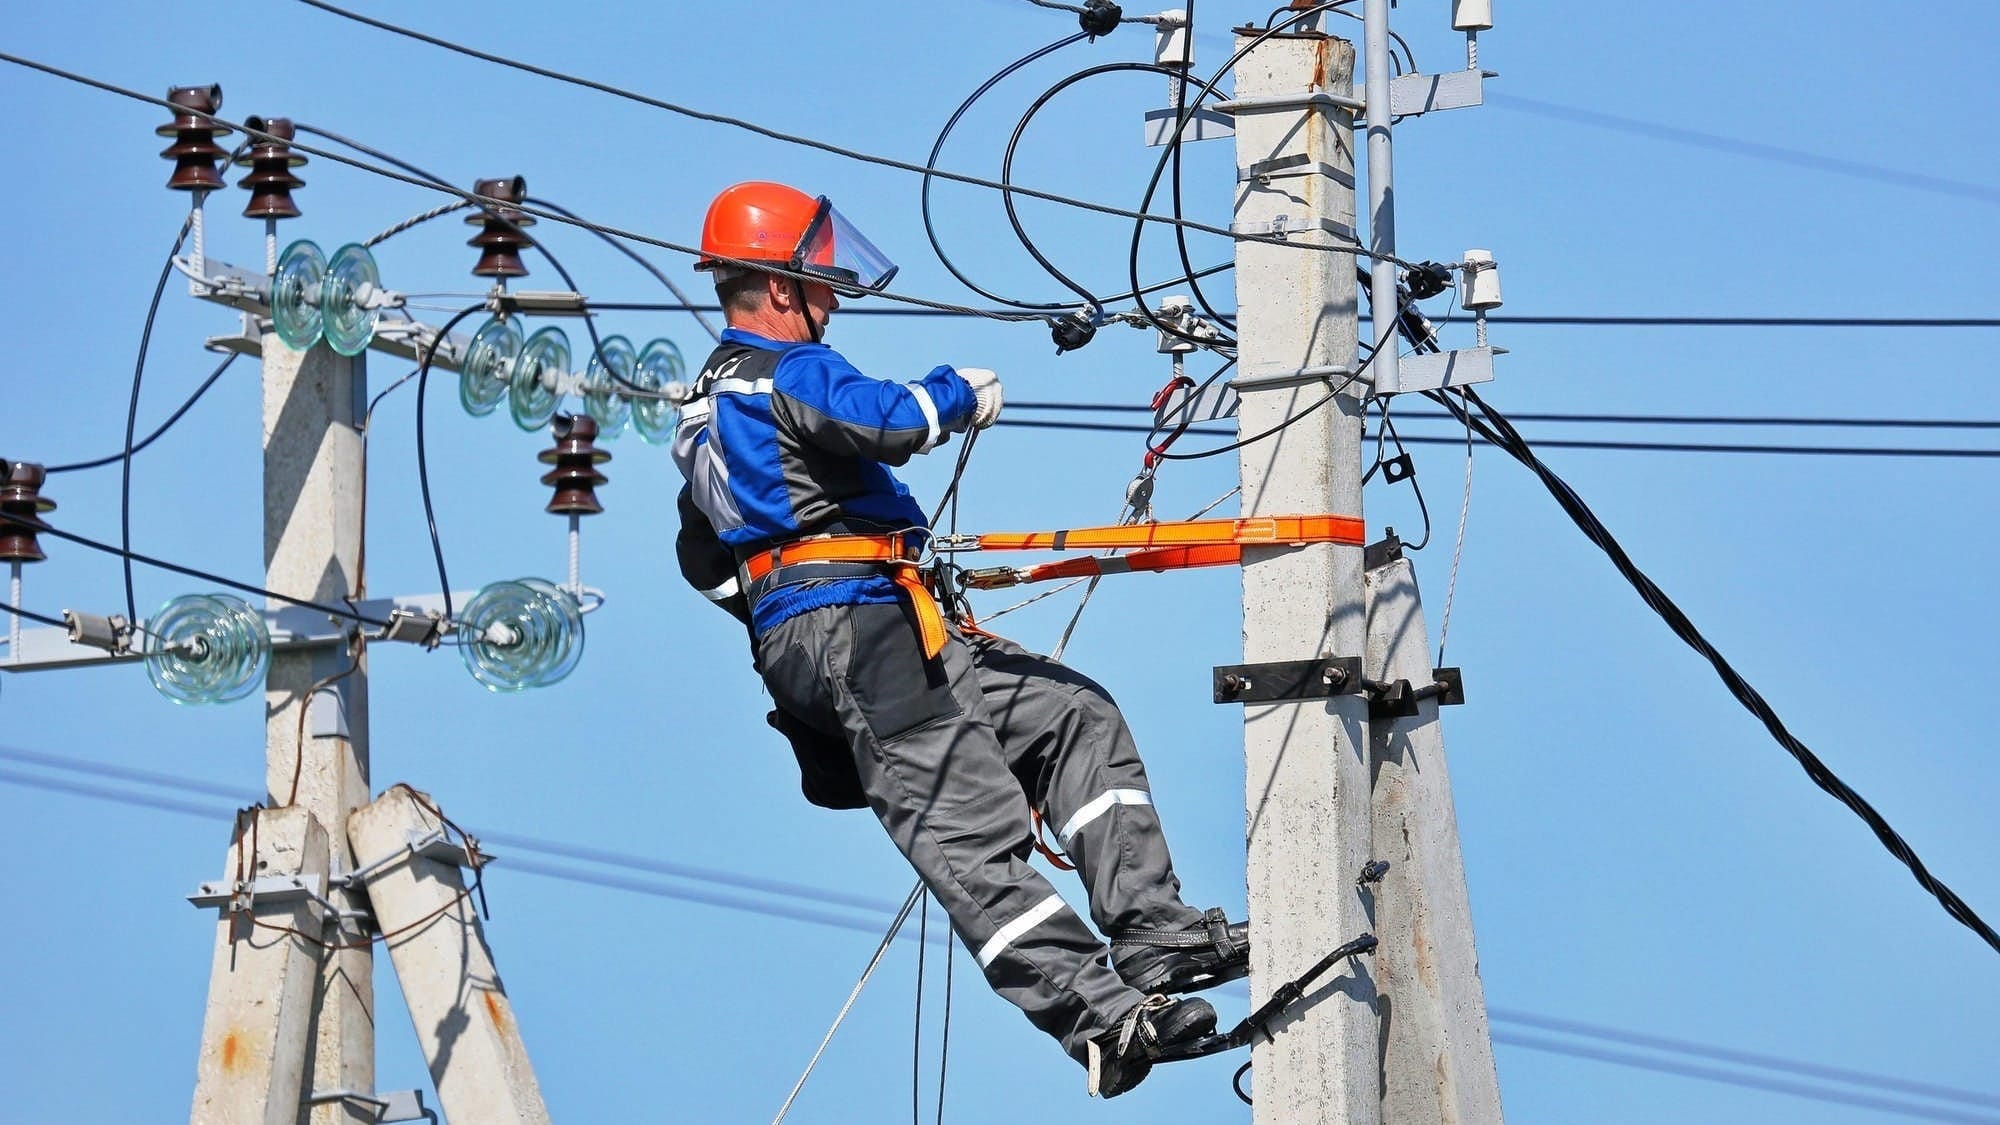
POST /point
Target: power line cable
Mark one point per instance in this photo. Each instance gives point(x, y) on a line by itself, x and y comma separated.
point(1745, 1058)
point(766, 907)
point(649, 267)
point(191, 572)
point(132, 414)
point(1494, 427)
point(112, 459)
point(1760, 150)
point(1612, 446)
point(1617, 419)
point(486, 201)
point(1732, 1078)
point(822, 146)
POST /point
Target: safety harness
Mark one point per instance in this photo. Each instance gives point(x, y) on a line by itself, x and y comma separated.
point(1148, 547)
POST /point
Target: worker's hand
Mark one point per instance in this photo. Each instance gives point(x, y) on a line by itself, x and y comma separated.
point(986, 388)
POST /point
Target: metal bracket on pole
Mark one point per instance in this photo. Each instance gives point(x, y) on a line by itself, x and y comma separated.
point(229, 897)
point(1295, 377)
point(434, 844)
point(1201, 404)
point(1297, 164)
point(1316, 99)
point(1285, 226)
point(387, 1106)
point(1420, 93)
point(1432, 371)
point(1398, 699)
point(1282, 680)
point(1205, 124)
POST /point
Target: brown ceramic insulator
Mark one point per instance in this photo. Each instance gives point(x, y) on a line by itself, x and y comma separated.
point(21, 497)
point(501, 240)
point(575, 458)
point(270, 181)
point(194, 151)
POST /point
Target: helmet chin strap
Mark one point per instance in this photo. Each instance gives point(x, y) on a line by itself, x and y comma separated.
point(805, 310)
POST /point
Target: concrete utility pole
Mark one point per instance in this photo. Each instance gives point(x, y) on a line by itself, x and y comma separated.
point(453, 991)
point(312, 547)
point(313, 403)
point(1307, 795)
point(1437, 1053)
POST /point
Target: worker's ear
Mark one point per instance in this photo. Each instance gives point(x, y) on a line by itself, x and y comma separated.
point(781, 293)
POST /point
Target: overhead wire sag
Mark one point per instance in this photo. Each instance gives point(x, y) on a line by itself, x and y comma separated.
point(1495, 428)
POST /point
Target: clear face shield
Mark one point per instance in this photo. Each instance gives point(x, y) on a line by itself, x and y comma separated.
point(835, 251)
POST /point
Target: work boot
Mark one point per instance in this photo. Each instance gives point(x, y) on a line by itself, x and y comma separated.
point(1205, 954)
point(1120, 1058)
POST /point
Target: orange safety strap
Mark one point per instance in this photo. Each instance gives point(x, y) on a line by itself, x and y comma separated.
point(930, 619)
point(1290, 531)
point(831, 548)
point(1164, 558)
point(863, 548)
point(1041, 845)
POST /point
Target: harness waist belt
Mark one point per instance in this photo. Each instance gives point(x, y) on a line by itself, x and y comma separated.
point(787, 563)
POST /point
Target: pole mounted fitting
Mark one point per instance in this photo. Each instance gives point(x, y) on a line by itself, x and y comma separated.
point(194, 129)
point(575, 458)
point(1073, 331)
point(271, 161)
point(501, 241)
point(1099, 17)
point(21, 498)
point(1427, 280)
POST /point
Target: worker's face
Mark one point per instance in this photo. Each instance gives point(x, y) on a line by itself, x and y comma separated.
point(820, 303)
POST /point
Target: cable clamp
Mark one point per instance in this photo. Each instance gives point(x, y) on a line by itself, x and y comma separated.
point(112, 634)
point(412, 627)
point(542, 302)
point(1283, 227)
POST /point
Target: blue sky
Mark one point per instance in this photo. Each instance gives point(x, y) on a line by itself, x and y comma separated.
point(1640, 855)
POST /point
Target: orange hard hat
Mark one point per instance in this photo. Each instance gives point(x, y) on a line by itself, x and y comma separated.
point(759, 221)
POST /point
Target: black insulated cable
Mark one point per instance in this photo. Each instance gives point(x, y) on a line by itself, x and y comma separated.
point(423, 461)
point(140, 446)
point(1495, 428)
point(763, 131)
point(132, 416)
point(345, 613)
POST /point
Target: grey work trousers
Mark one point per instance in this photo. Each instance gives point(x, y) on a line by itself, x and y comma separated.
point(952, 752)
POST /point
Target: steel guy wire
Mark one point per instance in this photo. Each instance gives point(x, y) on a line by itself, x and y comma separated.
point(768, 908)
point(916, 892)
point(1078, 9)
point(1457, 550)
point(823, 146)
point(416, 220)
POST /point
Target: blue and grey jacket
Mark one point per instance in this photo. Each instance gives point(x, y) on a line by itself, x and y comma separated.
point(781, 440)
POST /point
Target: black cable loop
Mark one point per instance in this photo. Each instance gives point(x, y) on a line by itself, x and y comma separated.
point(1007, 171)
point(132, 411)
point(423, 460)
point(1180, 232)
point(1187, 115)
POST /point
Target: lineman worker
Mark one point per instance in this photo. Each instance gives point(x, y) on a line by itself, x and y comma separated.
point(793, 520)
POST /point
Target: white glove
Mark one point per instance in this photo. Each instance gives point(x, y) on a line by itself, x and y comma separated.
point(986, 389)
